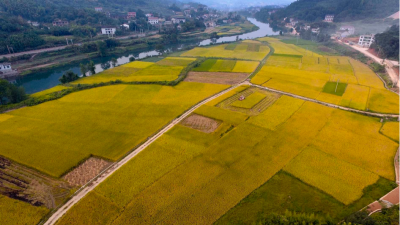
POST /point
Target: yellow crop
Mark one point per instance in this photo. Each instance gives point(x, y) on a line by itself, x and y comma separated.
point(338, 178)
point(355, 97)
point(278, 113)
point(244, 67)
point(138, 64)
point(176, 61)
point(384, 101)
point(107, 121)
point(48, 91)
point(391, 130)
point(18, 212)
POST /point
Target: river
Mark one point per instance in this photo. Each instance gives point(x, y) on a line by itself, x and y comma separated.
point(47, 79)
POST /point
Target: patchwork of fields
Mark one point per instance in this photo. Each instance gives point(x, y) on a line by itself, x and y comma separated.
point(295, 70)
point(108, 122)
point(227, 162)
point(192, 177)
point(244, 50)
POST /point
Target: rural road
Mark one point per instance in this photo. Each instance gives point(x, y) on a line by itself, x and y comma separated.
point(114, 167)
point(389, 66)
point(103, 176)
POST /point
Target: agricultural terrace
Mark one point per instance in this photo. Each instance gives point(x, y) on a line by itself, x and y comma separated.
point(254, 50)
point(221, 65)
point(190, 176)
point(334, 79)
point(107, 122)
point(168, 69)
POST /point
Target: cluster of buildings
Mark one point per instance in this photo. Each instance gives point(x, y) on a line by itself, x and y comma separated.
point(6, 70)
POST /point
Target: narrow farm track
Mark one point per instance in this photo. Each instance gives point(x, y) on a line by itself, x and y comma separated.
point(109, 171)
point(81, 193)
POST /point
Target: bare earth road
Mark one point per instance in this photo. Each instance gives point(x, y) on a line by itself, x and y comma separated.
point(109, 171)
point(389, 67)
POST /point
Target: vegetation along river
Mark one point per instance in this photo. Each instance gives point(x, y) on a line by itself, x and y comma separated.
point(46, 79)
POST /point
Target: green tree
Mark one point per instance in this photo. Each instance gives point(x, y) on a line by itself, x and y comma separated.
point(101, 48)
point(214, 35)
point(11, 93)
point(68, 77)
point(131, 59)
point(114, 62)
point(91, 67)
point(160, 48)
point(84, 69)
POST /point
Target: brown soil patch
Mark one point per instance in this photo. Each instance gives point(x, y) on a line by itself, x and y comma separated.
point(216, 77)
point(86, 171)
point(28, 185)
point(201, 123)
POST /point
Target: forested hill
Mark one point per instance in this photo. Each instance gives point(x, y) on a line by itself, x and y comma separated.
point(344, 10)
point(47, 10)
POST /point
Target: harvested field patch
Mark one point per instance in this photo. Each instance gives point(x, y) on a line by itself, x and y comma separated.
point(201, 123)
point(30, 186)
point(216, 77)
point(86, 171)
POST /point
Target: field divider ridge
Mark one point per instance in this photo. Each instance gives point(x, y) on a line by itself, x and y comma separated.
point(92, 184)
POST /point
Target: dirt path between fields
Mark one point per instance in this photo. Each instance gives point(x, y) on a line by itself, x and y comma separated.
point(84, 190)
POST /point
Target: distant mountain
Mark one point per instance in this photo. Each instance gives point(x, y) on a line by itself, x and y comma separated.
point(344, 10)
point(240, 4)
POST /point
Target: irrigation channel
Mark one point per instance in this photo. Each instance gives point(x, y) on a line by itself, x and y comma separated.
point(47, 79)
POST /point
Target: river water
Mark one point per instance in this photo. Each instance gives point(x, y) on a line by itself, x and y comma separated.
point(47, 79)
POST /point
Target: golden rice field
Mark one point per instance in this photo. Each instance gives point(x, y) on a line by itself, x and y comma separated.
point(240, 51)
point(391, 130)
point(222, 65)
point(287, 49)
point(250, 101)
point(340, 179)
point(16, 212)
point(167, 69)
point(108, 122)
point(49, 91)
point(306, 75)
point(191, 177)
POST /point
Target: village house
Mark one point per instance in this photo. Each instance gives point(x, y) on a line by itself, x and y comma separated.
point(98, 9)
point(34, 24)
point(179, 13)
point(178, 19)
point(149, 15)
point(366, 40)
point(5, 67)
point(210, 24)
point(329, 18)
point(131, 15)
point(153, 20)
point(125, 26)
point(187, 12)
point(60, 23)
point(315, 30)
point(108, 30)
point(294, 22)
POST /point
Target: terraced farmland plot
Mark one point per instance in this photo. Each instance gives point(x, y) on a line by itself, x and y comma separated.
point(220, 51)
point(167, 69)
point(106, 122)
point(192, 177)
point(340, 179)
point(289, 49)
point(382, 100)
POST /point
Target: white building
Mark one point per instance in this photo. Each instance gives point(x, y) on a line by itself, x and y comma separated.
point(329, 18)
point(125, 26)
point(366, 40)
point(108, 30)
point(149, 15)
point(5, 67)
point(153, 20)
point(315, 30)
point(98, 9)
point(178, 20)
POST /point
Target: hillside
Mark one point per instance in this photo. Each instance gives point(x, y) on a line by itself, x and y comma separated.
point(344, 10)
point(47, 10)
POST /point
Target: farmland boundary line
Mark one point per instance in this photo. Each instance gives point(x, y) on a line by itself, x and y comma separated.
point(91, 185)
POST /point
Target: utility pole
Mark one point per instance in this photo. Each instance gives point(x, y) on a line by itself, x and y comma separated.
point(8, 50)
point(66, 40)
